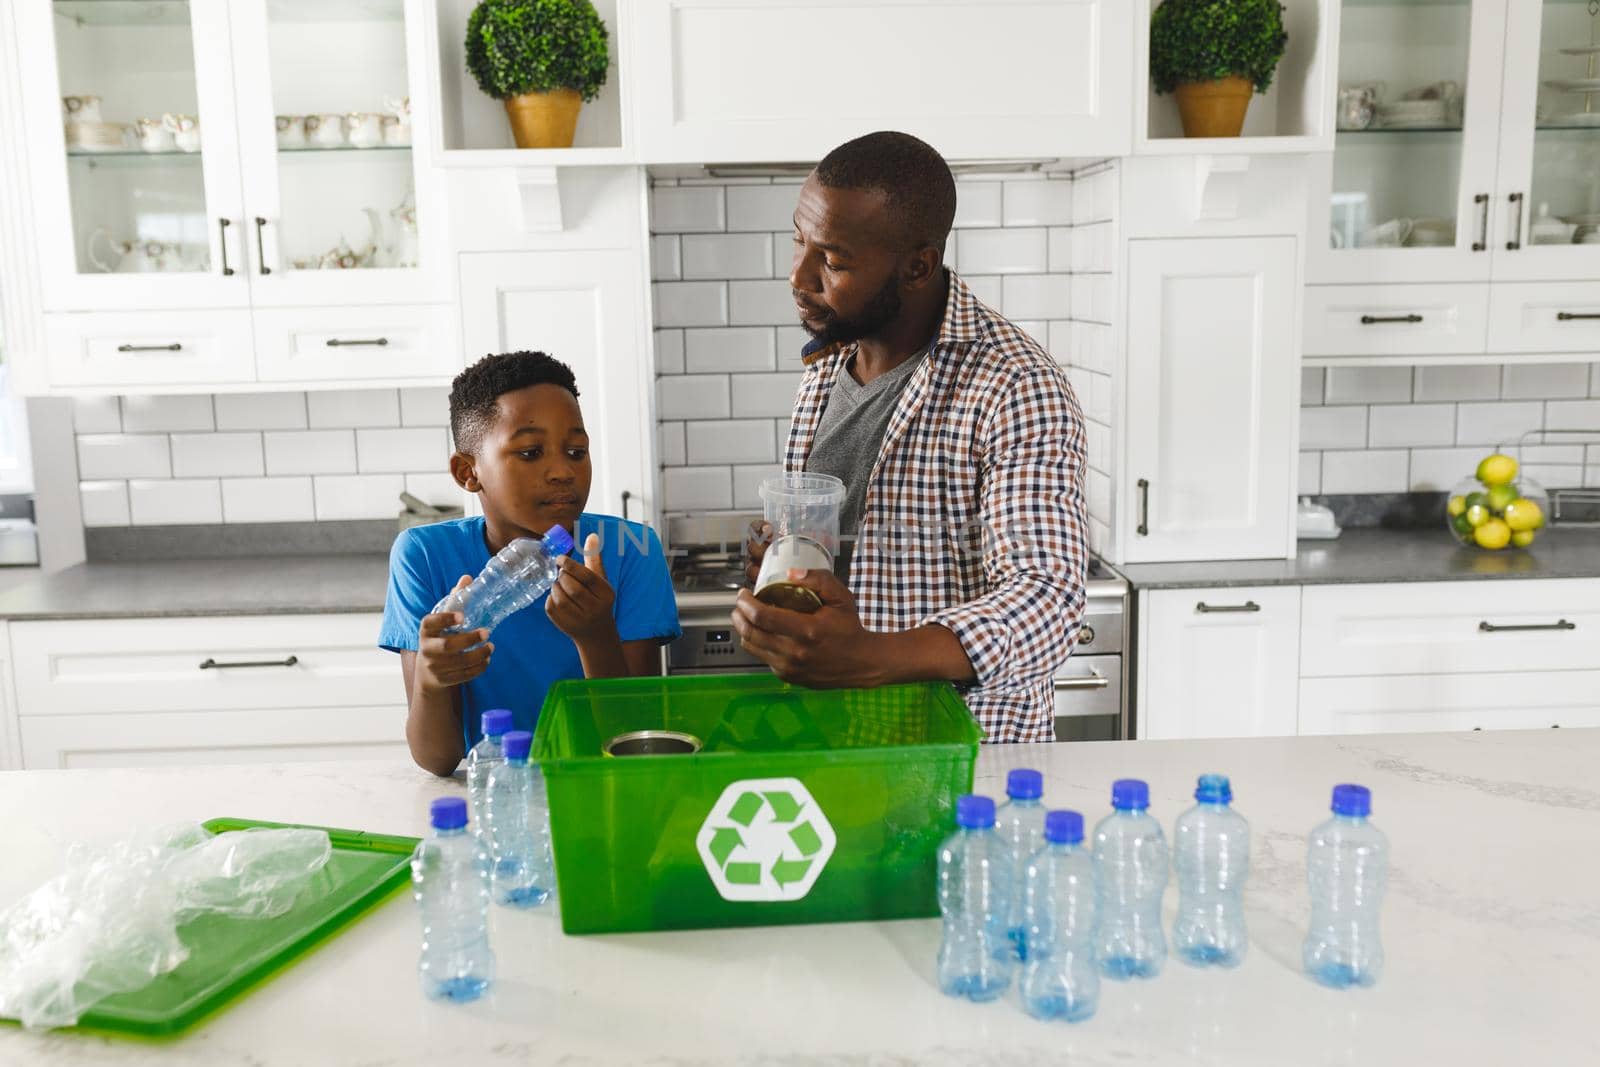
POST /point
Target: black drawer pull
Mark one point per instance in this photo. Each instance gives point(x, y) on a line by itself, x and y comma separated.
point(1374, 320)
point(1571, 316)
point(334, 342)
point(173, 347)
point(1223, 609)
point(1559, 624)
point(209, 664)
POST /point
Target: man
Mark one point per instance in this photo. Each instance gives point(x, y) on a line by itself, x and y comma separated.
point(960, 445)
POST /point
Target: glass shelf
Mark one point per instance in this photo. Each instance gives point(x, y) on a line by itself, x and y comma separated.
point(375, 150)
point(124, 12)
point(1399, 131)
point(130, 153)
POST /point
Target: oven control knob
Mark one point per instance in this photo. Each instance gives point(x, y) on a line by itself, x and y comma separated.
point(1086, 635)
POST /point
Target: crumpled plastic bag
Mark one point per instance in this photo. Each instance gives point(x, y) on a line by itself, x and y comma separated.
point(109, 922)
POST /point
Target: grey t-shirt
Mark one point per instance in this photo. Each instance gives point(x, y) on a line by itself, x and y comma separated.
point(848, 439)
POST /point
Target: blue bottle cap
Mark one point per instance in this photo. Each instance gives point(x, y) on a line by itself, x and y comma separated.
point(1213, 789)
point(557, 541)
point(1353, 800)
point(496, 721)
point(448, 813)
point(1130, 794)
point(516, 744)
point(1024, 785)
point(974, 812)
point(1063, 827)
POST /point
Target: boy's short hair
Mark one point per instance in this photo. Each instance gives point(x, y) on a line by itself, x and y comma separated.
point(474, 391)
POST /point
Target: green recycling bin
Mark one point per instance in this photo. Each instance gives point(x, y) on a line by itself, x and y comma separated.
point(799, 805)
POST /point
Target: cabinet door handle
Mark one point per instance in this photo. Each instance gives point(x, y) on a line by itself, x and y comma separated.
point(1226, 609)
point(173, 347)
point(209, 664)
point(1573, 316)
point(1516, 227)
point(1560, 624)
point(261, 245)
point(1482, 243)
point(1092, 681)
point(626, 496)
point(334, 342)
point(222, 240)
point(1144, 507)
point(1375, 320)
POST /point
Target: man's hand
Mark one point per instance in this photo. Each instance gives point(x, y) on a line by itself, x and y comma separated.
point(826, 649)
point(756, 540)
point(581, 601)
point(446, 660)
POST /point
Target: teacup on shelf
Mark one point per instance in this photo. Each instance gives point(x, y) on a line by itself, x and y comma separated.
point(154, 135)
point(291, 131)
point(80, 108)
point(396, 134)
point(366, 128)
point(325, 131)
point(185, 131)
point(1391, 234)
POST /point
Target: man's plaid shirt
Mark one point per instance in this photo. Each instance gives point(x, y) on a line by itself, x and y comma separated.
point(974, 516)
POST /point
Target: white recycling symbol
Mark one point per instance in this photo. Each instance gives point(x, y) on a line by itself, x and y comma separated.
point(765, 839)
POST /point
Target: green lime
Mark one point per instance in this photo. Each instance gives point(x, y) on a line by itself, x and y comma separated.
point(1500, 496)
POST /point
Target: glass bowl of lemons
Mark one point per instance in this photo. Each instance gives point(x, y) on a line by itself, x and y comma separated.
point(1495, 509)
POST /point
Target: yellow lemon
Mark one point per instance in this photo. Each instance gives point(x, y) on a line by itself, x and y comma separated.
point(1500, 496)
point(1493, 534)
point(1498, 469)
point(1523, 514)
point(1477, 515)
point(1457, 505)
point(1522, 538)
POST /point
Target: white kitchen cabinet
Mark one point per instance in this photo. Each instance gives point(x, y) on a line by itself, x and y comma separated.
point(587, 309)
point(1545, 317)
point(723, 81)
point(1396, 320)
point(1421, 703)
point(10, 737)
point(1212, 377)
point(1218, 662)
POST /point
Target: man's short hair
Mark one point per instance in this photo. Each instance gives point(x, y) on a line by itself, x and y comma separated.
point(474, 391)
point(913, 177)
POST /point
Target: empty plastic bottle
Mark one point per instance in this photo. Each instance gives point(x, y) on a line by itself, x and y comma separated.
point(517, 576)
point(483, 757)
point(1211, 851)
point(1020, 823)
point(1347, 865)
point(450, 881)
point(1060, 981)
point(1130, 875)
point(522, 874)
point(974, 890)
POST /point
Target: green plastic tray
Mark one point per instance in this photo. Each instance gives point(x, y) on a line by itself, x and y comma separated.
point(227, 955)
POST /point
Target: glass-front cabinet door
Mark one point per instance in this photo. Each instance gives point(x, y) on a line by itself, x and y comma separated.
point(1550, 151)
point(133, 154)
point(1409, 192)
point(330, 138)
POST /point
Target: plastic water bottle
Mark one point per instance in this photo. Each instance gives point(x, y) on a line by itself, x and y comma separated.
point(517, 576)
point(483, 757)
point(974, 890)
point(450, 881)
point(1211, 851)
point(522, 868)
point(1020, 823)
point(1130, 874)
point(1059, 981)
point(1347, 865)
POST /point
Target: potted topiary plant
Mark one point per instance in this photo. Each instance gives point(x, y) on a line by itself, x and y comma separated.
point(1212, 54)
point(544, 58)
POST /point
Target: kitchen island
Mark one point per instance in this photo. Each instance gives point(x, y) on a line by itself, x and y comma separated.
point(1492, 929)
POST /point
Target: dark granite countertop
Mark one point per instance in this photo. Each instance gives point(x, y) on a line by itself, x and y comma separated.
point(1379, 555)
point(305, 585)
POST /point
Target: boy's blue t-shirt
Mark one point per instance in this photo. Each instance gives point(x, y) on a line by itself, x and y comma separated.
point(529, 652)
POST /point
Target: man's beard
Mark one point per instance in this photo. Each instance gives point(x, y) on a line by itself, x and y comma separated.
point(881, 310)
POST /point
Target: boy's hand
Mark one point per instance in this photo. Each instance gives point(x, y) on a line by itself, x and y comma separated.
point(446, 660)
point(580, 601)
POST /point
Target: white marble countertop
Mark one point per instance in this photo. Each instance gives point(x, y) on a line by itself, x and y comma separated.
point(1492, 928)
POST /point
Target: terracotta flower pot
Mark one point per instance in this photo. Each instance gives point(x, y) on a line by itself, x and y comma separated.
point(1214, 109)
point(544, 120)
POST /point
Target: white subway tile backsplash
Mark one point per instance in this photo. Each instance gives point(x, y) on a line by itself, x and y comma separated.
point(1093, 249)
point(727, 255)
point(1365, 472)
point(792, 340)
point(1097, 493)
point(1544, 381)
point(979, 203)
point(679, 209)
point(669, 351)
point(1098, 404)
point(743, 348)
point(1097, 445)
point(730, 441)
point(986, 287)
point(358, 496)
point(1367, 385)
point(1458, 383)
point(1310, 474)
point(782, 254)
point(691, 303)
point(671, 447)
point(1335, 427)
point(104, 503)
point(768, 395)
point(216, 455)
point(1034, 328)
point(399, 451)
point(1103, 190)
point(1311, 381)
point(117, 455)
point(175, 502)
point(1437, 470)
point(261, 411)
point(1060, 341)
point(765, 303)
point(438, 489)
point(1411, 425)
point(1013, 251)
point(780, 435)
point(1497, 423)
point(1594, 380)
point(1060, 250)
point(1573, 415)
point(1045, 202)
point(425, 406)
point(267, 500)
point(762, 207)
point(697, 488)
point(310, 452)
point(1554, 476)
point(1082, 202)
point(665, 266)
point(747, 484)
point(166, 414)
point(692, 396)
point(1037, 296)
point(350, 409)
point(96, 414)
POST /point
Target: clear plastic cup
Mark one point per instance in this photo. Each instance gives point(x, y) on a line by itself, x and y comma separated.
point(803, 511)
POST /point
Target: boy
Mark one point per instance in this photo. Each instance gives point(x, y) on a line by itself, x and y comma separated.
point(520, 446)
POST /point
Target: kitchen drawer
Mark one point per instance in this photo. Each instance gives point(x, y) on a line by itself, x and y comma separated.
point(185, 664)
point(1422, 703)
point(1449, 627)
point(1396, 320)
point(138, 348)
point(1545, 317)
point(1089, 685)
point(356, 343)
